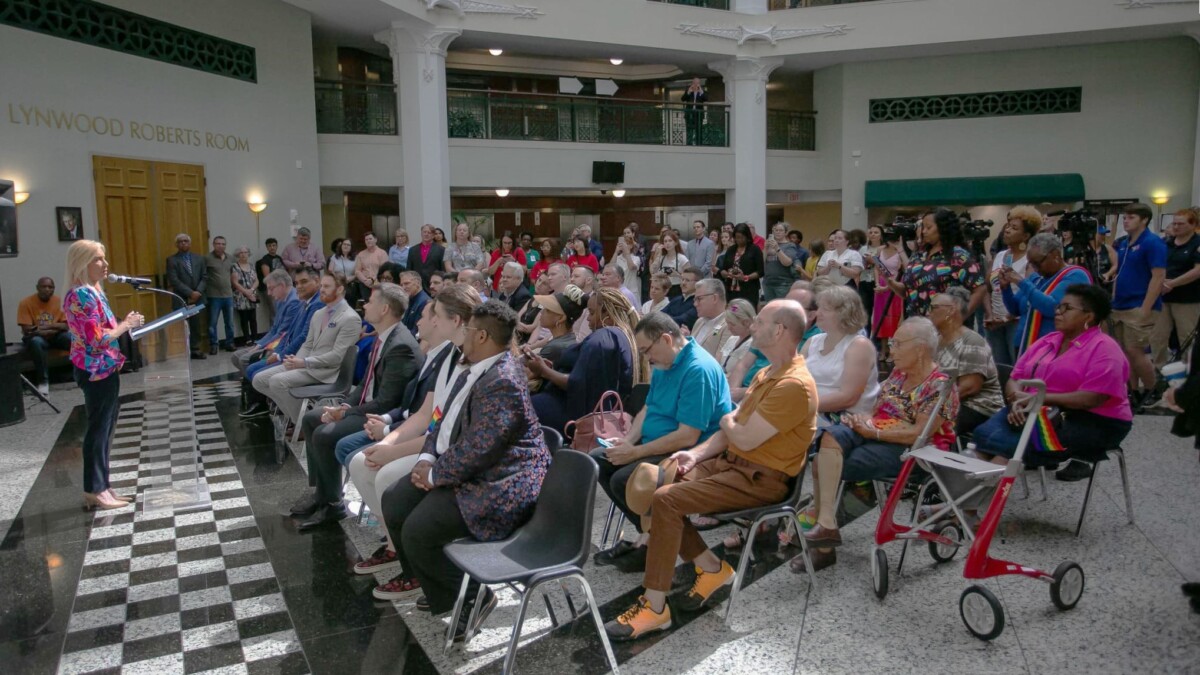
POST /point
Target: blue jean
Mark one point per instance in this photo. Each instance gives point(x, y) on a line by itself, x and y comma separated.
point(224, 308)
point(1003, 341)
point(1080, 432)
point(100, 401)
point(38, 346)
point(863, 459)
point(348, 446)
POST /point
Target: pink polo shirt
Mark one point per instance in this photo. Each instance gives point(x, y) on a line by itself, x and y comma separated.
point(1094, 362)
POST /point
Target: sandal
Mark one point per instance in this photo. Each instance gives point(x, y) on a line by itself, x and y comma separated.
point(702, 523)
point(735, 541)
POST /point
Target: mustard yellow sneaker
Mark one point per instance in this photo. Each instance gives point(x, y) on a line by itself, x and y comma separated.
point(637, 621)
point(706, 586)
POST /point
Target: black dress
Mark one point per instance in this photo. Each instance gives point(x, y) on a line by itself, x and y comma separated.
point(750, 261)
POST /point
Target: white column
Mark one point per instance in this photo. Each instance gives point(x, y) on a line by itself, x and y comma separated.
point(419, 62)
point(746, 89)
point(749, 6)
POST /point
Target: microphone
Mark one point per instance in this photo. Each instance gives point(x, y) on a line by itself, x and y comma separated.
point(133, 281)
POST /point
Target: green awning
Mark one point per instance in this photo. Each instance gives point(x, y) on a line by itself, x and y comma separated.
point(1052, 187)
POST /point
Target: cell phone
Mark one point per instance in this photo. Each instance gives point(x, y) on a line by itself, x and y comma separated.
point(603, 443)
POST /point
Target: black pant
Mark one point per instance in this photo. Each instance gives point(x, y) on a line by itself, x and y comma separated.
point(421, 523)
point(101, 404)
point(324, 472)
point(248, 321)
point(968, 419)
point(613, 480)
point(694, 122)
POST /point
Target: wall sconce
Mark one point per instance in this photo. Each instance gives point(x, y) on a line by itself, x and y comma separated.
point(501, 192)
point(618, 193)
point(495, 51)
point(20, 197)
point(616, 62)
point(256, 208)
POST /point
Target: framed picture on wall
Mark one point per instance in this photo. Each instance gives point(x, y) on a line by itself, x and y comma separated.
point(69, 221)
point(8, 219)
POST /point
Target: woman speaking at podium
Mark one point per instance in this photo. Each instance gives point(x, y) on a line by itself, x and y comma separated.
point(97, 360)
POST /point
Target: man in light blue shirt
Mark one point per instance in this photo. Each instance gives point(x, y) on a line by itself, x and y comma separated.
point(688, 397)
point(701, 251)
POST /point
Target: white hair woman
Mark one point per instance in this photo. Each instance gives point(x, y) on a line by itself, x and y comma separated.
point(868, 447)
point(97, 361)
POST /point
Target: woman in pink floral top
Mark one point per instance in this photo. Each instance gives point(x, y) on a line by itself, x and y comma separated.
point(97, 361)
point(863, 448)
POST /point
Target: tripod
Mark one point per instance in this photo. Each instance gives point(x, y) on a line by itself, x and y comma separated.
point(33, 390)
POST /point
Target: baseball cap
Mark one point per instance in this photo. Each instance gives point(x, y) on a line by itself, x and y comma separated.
point(569, 302)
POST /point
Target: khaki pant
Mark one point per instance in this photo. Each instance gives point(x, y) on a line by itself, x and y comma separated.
point(713, 486)
point(1180, 316)
point(1130, 331)
point(275, 383)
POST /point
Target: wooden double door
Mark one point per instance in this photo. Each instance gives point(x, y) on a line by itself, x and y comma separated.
point(141, 207)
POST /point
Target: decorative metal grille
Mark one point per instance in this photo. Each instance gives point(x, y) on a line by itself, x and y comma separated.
point(986, 104)
point(791, 130)
point(99, 25)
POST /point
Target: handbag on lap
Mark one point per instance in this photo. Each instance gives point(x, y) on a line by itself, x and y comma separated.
point(600, 423)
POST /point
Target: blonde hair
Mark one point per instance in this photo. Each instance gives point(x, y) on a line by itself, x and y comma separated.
point(846, 303)
point(613, 305)
point(79, 256)
point(1031, 218)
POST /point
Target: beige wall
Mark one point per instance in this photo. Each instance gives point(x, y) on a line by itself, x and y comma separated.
point(815, 220)
point(333, 225)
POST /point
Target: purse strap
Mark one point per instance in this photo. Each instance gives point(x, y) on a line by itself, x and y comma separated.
point(604, 398)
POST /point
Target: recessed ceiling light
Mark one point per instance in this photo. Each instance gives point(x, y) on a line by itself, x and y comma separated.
point(618, 193)
point(501, 192)
point(495, 52)
point(616, 62)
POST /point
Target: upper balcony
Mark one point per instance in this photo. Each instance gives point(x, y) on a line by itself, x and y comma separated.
point(350, 107)
point(771, 4)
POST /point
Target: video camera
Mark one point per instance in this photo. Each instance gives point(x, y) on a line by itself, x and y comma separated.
point(975, 233)
point(1082, 224)
point(902, 228)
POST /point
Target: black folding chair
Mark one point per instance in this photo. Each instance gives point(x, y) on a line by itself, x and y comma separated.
point(552, 546)
point(314, 392)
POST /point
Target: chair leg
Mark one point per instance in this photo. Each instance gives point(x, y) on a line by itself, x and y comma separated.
point(740, 573)
point(562, 583)
point(1087, 498)
point(612, 510)
point(474, 613)
point(1042, 475)
point(1024, 485)
point(458, 605)
point(595, 611)
point(808, 566)
point(1120, 455)
point(296, 422)
point(511, 657)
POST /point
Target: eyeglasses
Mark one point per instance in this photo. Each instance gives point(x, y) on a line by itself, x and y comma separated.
point(897, 343)
point(941, 306)
point(1063, 308)
point(1036, 262)
point(642, 351)
point(706, 295)
point(474, 328)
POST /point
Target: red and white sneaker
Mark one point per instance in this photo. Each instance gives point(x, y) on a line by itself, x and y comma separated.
point(397, 589)
point(380, 559)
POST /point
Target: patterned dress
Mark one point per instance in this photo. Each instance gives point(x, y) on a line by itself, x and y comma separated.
point(246, 278)
point(930, 274)
point(897, 406)
point(89, 318)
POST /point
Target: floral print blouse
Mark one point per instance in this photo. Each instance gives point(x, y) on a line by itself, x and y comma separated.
point(895, 405)
point(928, 275)
point(89, 318)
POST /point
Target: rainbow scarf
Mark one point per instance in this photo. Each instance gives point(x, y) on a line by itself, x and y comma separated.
point(1034, 326)
point(1044, 437)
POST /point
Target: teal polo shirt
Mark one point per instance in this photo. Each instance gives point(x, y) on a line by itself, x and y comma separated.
point(693, 391)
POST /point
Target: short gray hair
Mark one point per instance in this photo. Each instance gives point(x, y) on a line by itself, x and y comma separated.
point(712, 286)
point(279, 276)
point(961, 298)
point(514, 265)
point(394, 297)
point(304, 232)
point(183, 236)
point(239, 250)
point(924, 332)
point(617, 269)
point(1046, 243)
point(657, 324)
point(563, 265)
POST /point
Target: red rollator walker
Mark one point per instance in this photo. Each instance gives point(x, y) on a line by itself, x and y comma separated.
point(962, 479)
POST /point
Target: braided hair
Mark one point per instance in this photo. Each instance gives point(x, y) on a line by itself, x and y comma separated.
point(616, 311)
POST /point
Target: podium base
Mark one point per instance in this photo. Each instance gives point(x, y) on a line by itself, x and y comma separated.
point(173, 499)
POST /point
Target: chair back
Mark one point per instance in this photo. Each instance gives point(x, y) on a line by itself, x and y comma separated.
point(560, 531)
point(636, 400)
point(553, 439)
point(345, 376)
point(1003, 373)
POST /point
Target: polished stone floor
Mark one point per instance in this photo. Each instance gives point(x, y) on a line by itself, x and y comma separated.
point(236, 589)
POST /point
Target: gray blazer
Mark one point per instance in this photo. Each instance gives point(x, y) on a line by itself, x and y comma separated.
point(703, 254)
point(180, 282)
point(328, 339)
point(399, 362)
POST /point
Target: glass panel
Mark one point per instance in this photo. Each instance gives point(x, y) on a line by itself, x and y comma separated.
point(348, 107)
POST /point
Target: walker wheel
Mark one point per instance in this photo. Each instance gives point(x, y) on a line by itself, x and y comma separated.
point(981, 613)
point(946, 552)
point(879, 573)
point(1067, 587)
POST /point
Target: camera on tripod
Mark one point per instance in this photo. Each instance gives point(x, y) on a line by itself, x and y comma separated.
point(975, 233)
point(902, 228)
point(1082, 224)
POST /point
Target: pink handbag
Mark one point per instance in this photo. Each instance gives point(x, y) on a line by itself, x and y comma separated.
point(600, 423)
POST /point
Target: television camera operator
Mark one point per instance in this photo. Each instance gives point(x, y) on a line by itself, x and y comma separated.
point(941, 261)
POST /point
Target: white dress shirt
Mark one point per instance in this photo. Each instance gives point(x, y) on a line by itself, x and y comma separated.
point(454, 408)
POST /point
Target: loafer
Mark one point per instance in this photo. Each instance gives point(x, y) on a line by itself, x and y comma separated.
point(820, 560)
point(609, 556)
point(199, 356)
point(821, 536)
point(305, 506)
point(1073, 471)
point(326, 514)
point(258, 409)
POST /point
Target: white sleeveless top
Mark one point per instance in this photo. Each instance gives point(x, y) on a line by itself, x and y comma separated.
point(826, 370)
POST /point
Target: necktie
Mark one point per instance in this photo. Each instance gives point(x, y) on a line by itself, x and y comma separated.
point(187, 263)
point(368, 381)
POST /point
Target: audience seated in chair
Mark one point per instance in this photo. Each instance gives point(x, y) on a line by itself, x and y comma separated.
point(1034, 298)
point(585, 279)
point(660, 286)
point(605, 361)
point(395, 361)
point(332, 330)
point(842, 361)
point(293, 333)
point(560, 312)
point(1087, 402)
point(527, 315)
point(417, 297)
point(613, 276)
point(964, 354)
point(709, 329)
point(868, 447)
point(280, 292)
point(760, 448)
point(43, 327)
point(480, 470)
point(682, 308)
point(511, 289)
point(475, 279)
point(688, 397)
point(390, 443)
point(557, 276)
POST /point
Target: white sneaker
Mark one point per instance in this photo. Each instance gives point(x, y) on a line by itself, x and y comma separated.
point(44, 389)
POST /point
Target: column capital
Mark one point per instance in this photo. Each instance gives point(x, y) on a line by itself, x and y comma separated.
point(417, 37)
point(747, 67)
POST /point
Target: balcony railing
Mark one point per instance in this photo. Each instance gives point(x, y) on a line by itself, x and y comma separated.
point(583, 119)
point(791, 130)
point(771, 4)
point(710, 4)
point(349, 107)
